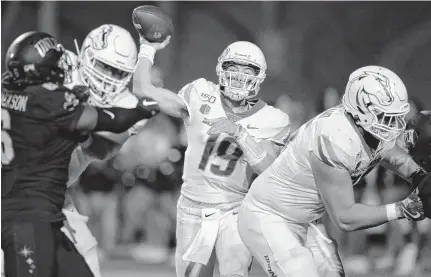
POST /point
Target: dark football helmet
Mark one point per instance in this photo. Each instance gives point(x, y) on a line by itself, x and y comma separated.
point(33, 59)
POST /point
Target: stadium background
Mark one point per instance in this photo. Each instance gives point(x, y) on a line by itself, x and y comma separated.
point(311, 48)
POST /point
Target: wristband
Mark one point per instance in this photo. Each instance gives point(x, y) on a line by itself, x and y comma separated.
point(391, 212)
point(147, 51)
point(254, 152)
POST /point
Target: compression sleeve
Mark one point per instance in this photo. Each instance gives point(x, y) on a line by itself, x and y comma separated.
point(118, 120)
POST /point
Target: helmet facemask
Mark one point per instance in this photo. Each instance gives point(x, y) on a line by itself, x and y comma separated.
point(104, 80)
point(239, 85)
point(387, 126)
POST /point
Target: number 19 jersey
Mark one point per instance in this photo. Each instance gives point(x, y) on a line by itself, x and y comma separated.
point(215, 170)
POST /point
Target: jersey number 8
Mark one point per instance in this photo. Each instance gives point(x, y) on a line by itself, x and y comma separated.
point(227, 149)
point(7, 153)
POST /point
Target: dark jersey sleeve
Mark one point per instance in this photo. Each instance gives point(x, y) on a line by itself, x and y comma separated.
point(60, 106)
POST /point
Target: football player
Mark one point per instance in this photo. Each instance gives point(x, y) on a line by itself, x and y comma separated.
point(105, 65)
point(419, 147)
point(317, 170)
point(231, 132)
point(42, 123)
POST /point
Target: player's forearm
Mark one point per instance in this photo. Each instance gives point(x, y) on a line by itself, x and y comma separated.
point(257, 156)
point(169, 102)
point(360, 216)
point(119, 120)
point(142, 86)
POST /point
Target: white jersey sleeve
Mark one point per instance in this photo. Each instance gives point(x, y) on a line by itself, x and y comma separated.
point(333, 145)
point(189, 93)
point(274, 125)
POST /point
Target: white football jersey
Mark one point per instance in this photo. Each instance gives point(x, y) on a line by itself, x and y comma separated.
point(215, 170)
point(288, 187)
point(80, 159)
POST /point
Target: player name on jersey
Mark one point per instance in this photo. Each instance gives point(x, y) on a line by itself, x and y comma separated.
point(14, 101)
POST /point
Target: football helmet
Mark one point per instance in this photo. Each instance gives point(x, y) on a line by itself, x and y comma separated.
point(32, 59)
point(106, 62)
point(241, 53)
point(377, 99)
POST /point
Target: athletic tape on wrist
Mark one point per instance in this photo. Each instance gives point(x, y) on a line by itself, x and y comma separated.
point(391, 212)
point(248, 144)
point(147, 51)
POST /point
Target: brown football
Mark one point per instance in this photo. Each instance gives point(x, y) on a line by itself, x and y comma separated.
point(152, 23)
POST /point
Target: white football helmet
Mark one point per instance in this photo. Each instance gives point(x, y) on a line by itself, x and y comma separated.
point(377, 99)
point(107, 61)
point(242, 53)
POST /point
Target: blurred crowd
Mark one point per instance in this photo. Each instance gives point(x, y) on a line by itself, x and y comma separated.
point(132, 210)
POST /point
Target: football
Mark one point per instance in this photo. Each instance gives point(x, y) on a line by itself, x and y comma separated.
point(152, 23)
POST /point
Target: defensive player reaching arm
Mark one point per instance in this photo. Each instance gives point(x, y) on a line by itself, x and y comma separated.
point(42, 123)
point(258, 154)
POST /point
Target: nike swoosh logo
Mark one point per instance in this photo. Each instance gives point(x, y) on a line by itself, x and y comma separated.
point(109, 113)
point(145, 102)
point(207, 215)
point(234, 213)
point(251, 127)
point(415, 216)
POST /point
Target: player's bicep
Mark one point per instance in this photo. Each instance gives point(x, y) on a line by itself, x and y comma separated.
point(334, 185)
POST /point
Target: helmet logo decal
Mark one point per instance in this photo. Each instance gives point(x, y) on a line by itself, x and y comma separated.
point(376, 85)
point(157, 35)
point(225, 53)
point(46, 44)
point(100, 38)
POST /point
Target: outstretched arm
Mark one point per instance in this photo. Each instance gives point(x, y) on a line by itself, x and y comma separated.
point(168, 101)
point(116, 120)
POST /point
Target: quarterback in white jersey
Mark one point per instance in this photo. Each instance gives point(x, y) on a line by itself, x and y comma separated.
point(105, 65)
point(316, 173)
point(230, 133)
